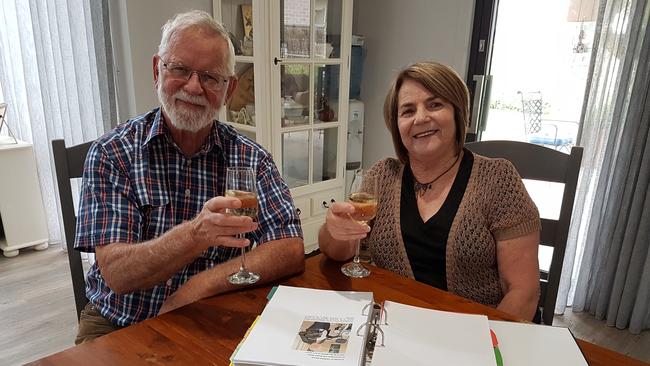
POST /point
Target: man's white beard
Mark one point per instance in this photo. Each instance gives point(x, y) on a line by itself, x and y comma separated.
point(185, 119)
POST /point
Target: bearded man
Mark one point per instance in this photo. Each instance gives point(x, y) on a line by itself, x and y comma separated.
point(152, 204)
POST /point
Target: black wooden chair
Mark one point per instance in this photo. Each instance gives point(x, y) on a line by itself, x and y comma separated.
point(69, 164)
point(544, 164)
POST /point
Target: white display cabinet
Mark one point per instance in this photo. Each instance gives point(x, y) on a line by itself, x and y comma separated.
point(293, 63)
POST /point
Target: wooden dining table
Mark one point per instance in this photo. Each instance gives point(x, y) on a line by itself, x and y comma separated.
point(208, 331)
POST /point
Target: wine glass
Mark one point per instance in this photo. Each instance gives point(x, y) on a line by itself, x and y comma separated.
point(240, 183)
point(363, 196)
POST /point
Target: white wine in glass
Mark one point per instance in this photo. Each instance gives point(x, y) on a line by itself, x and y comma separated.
point(240, 183)
point(365, 209)
point(248, 203)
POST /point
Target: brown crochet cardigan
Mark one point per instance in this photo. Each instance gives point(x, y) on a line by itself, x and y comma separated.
point(495, 206)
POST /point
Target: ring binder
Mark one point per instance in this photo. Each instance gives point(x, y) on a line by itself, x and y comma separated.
point(376, 328)
point(348, 328)
point(379, 315)
point(373, 327)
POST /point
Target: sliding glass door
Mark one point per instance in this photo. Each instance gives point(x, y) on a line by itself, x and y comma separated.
point(528, 68)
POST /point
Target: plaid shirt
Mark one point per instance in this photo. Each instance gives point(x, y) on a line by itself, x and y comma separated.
point(137, 185)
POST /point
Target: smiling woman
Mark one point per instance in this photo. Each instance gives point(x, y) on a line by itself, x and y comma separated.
point(471, 228)
point(426, 127)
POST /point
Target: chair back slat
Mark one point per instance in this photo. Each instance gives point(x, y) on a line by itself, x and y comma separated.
point(76, 159)
point(69, 163)
point(521, 154)
point(547, 236)
point(543, 164)
point(543, 289)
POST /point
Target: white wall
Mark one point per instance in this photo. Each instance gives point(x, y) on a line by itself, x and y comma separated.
point(135, 28)
point(399, 33)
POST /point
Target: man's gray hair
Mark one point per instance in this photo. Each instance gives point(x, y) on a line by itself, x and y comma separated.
point(195, 19)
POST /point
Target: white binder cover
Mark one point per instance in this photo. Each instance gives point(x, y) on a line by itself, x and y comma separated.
point(536, 345)
point(416, 336)
point(301, 326)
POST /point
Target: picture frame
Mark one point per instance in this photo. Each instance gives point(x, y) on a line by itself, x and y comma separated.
point(247, 20)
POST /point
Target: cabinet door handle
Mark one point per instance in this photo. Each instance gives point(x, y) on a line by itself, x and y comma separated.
point(325, 205)
point(298, 211)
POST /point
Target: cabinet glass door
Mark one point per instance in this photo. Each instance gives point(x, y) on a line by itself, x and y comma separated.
point(240, 111)
point(324, 153)
point(295, 168)
point(294, 89)
point(309, 69)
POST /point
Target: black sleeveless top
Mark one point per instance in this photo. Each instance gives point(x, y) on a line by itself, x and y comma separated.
point(426, 242)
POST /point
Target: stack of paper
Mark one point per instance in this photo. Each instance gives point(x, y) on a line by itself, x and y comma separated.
point(536, 345)
point(415, 336)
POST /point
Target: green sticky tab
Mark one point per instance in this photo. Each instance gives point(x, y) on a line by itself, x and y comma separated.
point(272, 292)
point(497, 355)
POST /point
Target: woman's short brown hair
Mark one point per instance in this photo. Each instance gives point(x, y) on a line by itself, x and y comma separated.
point(443, 82)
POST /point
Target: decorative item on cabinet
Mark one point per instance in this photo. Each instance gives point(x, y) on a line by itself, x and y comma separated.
point(246, 47)
point(245, 92)
point(235, 44)
point(247, 21)
point(243, 117)
point(325, 112)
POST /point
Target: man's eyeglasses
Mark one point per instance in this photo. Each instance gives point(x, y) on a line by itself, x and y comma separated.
point(209, 80)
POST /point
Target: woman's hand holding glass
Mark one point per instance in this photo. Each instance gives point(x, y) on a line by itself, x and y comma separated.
point(342, 227)
point(349, 221)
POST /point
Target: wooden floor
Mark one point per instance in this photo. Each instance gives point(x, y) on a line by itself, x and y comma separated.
point(585, 326)
point(37, 314)
point(37, 311)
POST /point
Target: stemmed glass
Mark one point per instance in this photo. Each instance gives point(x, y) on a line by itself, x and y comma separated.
point(240, 183)
point(363, 197)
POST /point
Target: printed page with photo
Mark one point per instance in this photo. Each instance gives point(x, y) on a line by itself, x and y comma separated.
point(302, 326)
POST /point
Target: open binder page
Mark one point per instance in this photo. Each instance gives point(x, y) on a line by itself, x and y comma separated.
point(301, 326)
point(416, 336)
point(533, 345)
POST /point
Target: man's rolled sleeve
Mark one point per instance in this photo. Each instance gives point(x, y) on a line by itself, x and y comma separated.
point(278, 218)
point(107, 211)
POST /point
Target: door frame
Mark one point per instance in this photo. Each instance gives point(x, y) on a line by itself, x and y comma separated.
point(480, 57)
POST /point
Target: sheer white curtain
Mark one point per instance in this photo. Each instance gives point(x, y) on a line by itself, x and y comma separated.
point(55, 79)
point(610, 223)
